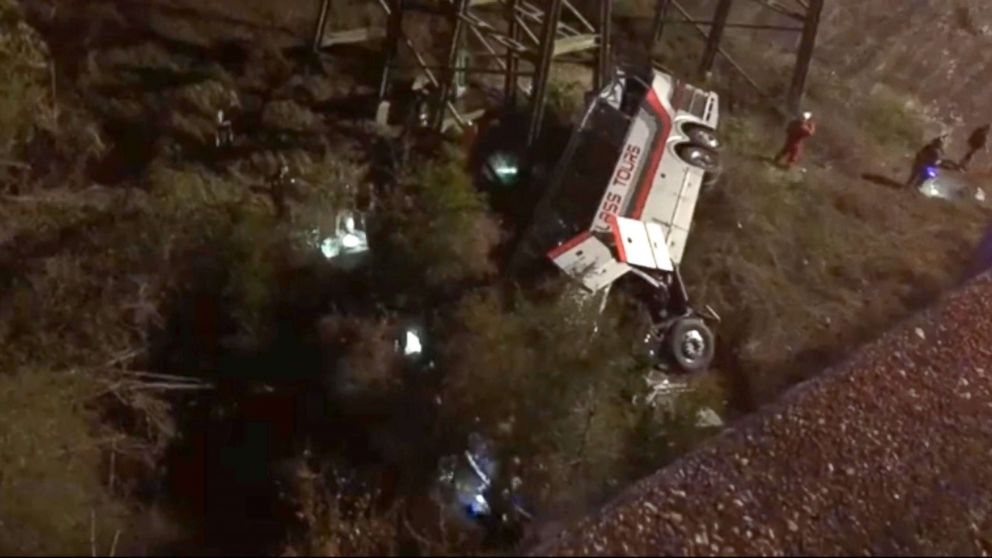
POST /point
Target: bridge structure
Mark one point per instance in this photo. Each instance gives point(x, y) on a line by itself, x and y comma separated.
point(522, 40)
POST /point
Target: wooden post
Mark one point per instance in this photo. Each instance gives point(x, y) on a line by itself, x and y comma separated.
point(805, 56)
point(716, 35)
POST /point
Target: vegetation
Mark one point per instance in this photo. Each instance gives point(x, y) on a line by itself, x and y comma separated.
point(50, 483)
point(804, 267)
point(439, 226)
point(24, 56)
point(168, 313)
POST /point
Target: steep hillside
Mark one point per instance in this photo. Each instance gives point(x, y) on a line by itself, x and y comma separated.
point(938, 50)
point(935, 50)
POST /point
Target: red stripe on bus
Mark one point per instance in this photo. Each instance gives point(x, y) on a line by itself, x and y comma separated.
point(647, 179)
point(568, 245)
point(618, 239)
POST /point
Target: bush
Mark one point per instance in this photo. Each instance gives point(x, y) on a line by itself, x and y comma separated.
point(206, 98)
point(566, 92)
point(69, 140)
point(882, 123)
point(210, 223)
point(893, 120)
point(533, 377)
point(147, 55)
point(290, 115)
point(52, 496)
point(339, 526)
point(266, 69)
point(367, 364)
point(24, 90)
point(437, 227)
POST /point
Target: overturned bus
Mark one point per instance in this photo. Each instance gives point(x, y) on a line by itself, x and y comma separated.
point(622, 198)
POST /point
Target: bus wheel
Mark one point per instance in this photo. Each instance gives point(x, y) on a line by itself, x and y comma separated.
point(692, 344)
point(700, 157)
point(703, 137)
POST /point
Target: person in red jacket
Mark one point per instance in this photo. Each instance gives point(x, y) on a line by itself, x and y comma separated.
point(796, 133)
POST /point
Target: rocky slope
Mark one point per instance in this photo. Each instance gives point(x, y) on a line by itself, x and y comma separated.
point(885, 455)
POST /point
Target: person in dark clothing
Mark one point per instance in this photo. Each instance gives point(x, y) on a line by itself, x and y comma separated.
point(982, 259)
point(279, 187)
point(929, 156)
point(976, 142)
point(797, 132)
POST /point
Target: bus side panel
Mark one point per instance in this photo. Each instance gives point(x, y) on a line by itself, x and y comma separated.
point(590, 262)
point(627, 172)
point(673, 202)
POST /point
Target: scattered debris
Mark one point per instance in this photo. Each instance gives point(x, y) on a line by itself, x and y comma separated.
point(953, 187)
point(465, 479)
point(662, 391)
point(708, 418)
point(466, 485)
point(348, 242)
point(502, 168)
point(411, 343)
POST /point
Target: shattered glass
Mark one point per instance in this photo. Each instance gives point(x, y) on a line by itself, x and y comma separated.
point(502, 168)
point(465, 479)
point(348, 237)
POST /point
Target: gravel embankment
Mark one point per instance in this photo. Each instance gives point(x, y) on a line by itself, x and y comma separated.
point(890, 453)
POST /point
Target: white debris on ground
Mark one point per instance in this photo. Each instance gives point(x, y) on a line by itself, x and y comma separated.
point(662, 390)
point(347, 238)
point(952, 186)
point(411, 344)
point(708, 418)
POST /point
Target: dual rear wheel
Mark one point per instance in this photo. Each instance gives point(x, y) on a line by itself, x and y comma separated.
point(703, 152)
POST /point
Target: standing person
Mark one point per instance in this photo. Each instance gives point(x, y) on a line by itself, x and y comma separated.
point(929, 156)
point(280, 187)
point(795, 134)
point(981, 260)
point(976, 142)
point(224, 135)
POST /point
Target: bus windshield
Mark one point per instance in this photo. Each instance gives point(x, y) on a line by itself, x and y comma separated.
point(585, 171)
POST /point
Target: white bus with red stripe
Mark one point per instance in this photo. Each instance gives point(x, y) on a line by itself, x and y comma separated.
point(624, 194)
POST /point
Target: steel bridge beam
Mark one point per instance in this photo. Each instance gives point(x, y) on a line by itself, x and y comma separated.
point(716, 35)
point(540, 87)
point(806, 46)
point(524, 38)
